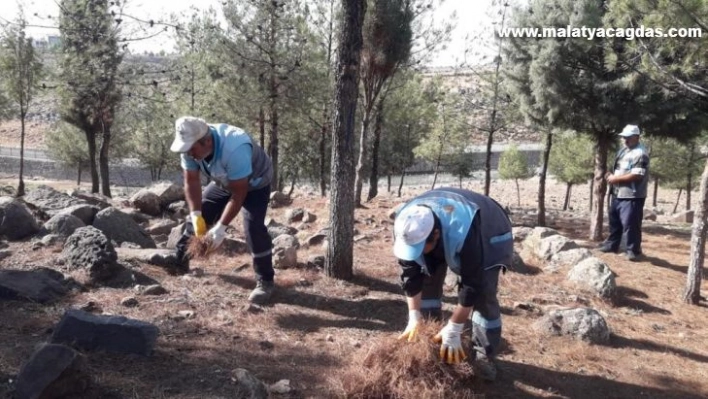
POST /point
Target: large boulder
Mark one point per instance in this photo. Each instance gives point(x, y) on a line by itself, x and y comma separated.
point(53, 371)
point(552, 245)
point(162, 226)
point(276, 229)
point(105, 333)
point(120, 227)
point(285, 251)
point(582, 323)
point(532, 242)
point(16, 221)
point(96, 199)
point(89, 249)
point(567, 258)
point(167, 192)
point(278, 199)
point(39, 285)
point(175, 235)
point(147, 202)
point(62, 224)
point(50, 201)
point(594, 275)
point(85, 212)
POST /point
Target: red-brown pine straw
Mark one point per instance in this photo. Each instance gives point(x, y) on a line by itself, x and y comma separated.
point(198, 247)
point(399, 369)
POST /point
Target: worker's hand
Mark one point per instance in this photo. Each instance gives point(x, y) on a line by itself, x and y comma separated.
point(450, 338)
point(411, 332)
point(198, 223)
point(216, 235)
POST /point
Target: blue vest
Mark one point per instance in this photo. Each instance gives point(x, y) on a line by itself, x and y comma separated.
point(456, 209)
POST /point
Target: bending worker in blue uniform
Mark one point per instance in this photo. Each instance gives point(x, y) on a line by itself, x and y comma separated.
point(470, 234)
point(240, 173)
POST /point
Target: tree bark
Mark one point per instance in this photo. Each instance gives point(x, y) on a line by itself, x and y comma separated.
point(518, 192)
point(261, 126)
point(592, 191)
point(400, 184)
point(339, 260)
point(91, 143)
point(363, 155)
point(374, 175)
point(21, 184)
point(656, 192)
point(388, 183)
point(103, 163)
point(541, 214)
point(273, 133)
point(324, 131)
point(678, 199)
point(596, 221)
point(78, 175)
point(692, 294)
point(566, 202)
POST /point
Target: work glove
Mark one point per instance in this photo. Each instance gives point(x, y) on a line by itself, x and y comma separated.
point(411, 332)
point(198, 223)
point(450, 338)
point(216, 235)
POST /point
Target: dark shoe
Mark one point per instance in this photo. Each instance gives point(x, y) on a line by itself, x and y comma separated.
point(485, 369)
point(174, 263)
point(262, 293)
point(632, 257)
point(607, 249)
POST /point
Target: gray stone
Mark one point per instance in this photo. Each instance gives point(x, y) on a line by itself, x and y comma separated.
point(316, 261)
point(294, 215)
point(89, 249)
point(108, 333)
point(285, 252)
point(552, 245)
point(5, 253)
point(178, 209)
point(16, 221)
point(309, 217)
point(53, 372)
point(595, 275)
point(683, 217)
point(129, 302)
point(276, 229)
point(520, 233)
point(167, 192)
point(567, 258)
point(85, 212)
point(50, 201)
point(137, 216)
point(248, 386)
point(39, 285)
point(234, 246)
point(174, 237)
point(154, 289)
point(96, 199)
point(518, 265)
point(278, 199)
point(62, 224)
point(120, 227)
point(582, 323)
point(146, 201)
point(163, 226)
point(318, 239)
point(533, 239)
point(151, 256)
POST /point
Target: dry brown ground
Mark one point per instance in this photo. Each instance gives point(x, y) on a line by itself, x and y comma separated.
point(316, 326)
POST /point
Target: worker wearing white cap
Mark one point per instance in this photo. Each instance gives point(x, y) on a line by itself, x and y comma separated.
point(470, 234)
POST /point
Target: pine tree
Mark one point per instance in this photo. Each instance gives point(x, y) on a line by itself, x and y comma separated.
point(513, 165)
point(571, 161)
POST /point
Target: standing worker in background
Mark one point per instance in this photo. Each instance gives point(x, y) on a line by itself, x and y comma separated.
point(470, 234)
point(629, 183)
point(240, 173)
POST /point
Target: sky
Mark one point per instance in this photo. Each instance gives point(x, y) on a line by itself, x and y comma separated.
point(471, 14)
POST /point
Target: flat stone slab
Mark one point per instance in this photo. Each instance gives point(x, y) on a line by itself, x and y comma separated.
point(108, 333)
point(53, 371)
point(39, 285)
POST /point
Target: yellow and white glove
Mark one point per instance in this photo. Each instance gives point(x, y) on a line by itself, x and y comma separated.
point(217, 235)
point(411, 332)
point(198, 223)
point(450, 338)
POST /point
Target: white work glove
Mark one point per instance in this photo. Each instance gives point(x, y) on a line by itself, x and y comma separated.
point(411, 332)
point(198, 223)
point(216, 235)
point(450, 338)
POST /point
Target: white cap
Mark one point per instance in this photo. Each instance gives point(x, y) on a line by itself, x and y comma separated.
point(413, 225)
point(630, 130)
point(188, 130)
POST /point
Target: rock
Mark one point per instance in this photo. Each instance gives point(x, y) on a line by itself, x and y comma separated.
point(281, 387)
point(567, 258)
point(285, 252)
point(163, 226)
point(650, 216)
point(107, 333)
point(552, 245)
point(532, 242)
point(53, 371)
point(167, 193)
point(52, 239)
point(318, 239)
point(178, 209)
point(234, 246)
point(518, 265)
point(137, 216)
point(146, 201)
point(62, 224)
point(276, 229)
point(96, 199)
point(175, 235)
point(120, 227)
point(582, 323)
point(154, 289)
point(5, 253)
point(186, 314)
point(39, 285)
point(157, 257)
point(309, 217)
point(520, 233)
point(129, 302)
point(278, 199)
point(248, 386)
point(682, 217)
point(595, 275)
point(50, 201)
point(16, 221)
point(89, 249)
point(316, 261)
point(294, 215)
point(85, 212)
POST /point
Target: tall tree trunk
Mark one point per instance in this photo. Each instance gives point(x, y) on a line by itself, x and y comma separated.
point(324, 132)
point(21, 184)
point(656, 192)
point(493, 119)
point(261, 126)
point(518, 193)
point(596, 221)
point(103, 163)
point(400, 184)
point(91, 143)
point(541, 214)
point(678, 199)
point(566, 202)
point(374, 175)
point(692, 294)
point(592, 195)
point(488, 159)
point(689, 188)
point(363, 155)
point(273, 136)
point(388, 183)
point(339, 260)
point(78, 175)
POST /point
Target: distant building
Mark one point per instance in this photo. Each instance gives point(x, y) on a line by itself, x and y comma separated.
point(54, 40)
